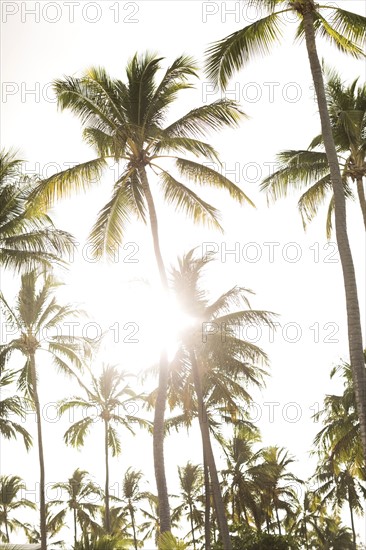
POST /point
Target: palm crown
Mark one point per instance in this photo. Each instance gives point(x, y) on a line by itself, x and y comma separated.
point(310, 168)
point(28, 237)
point(127, 122)
point(344, 29)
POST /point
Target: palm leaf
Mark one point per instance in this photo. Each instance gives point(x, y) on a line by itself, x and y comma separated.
point(185, 200)
point(233, 52)
point(201, 174)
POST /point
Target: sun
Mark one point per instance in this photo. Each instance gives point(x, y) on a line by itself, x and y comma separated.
point(137, 320)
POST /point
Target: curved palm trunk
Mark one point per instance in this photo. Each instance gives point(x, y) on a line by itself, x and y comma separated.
point(361, 197)
point(42, 500)
point(206, 442)
point(353, 311)
point(207, 505)
point(106, 497)
point(160, 404)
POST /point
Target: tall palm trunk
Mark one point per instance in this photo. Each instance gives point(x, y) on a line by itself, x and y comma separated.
point(42, 500)
point(160, 404)
point(206, 442)
point(75, 531)
point(361, 197)
point(192, 525)
point(352, 521)
point(353, 311)
point(132, 515)
point(6, 524)
point(207, 504)
point(106, 458)
point(278, 521)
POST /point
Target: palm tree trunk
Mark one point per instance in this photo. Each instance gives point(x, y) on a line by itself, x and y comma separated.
point(75, 533)
point(206, 442)
point(42, 500)
point(361, 197)
point(6, 525)
point(192, 526)
point(160, 404)
point(353, 311)
point(133, 525)
point(106, 495)
point(352, 522)
point(278, 521)
point(207, 505)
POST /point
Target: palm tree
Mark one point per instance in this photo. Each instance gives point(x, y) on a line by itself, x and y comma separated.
point(347, 109)
point(35, 314)
point(310, 513)
point(81, 493)
point(10, 501)
point(332, 535)
point(242, 486)
point(191, 489)
point(340, 437)
point(151, 527)
point(216, 364)
point(28, 237)
point(348, 32)
point(10, 406)
point(126, 122)
point(278, 483)
point(54, 524)
point(132, 495)
point(107, 394)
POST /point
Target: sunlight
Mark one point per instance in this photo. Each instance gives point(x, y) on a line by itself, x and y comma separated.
point(138, 321)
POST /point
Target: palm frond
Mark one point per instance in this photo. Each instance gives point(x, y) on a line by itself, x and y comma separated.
point(187, 201)
point(230, 54)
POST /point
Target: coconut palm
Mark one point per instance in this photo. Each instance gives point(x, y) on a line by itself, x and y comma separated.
point(310, 169)
point(10, 486)
point(81, 494)
point(54, 523)
point(348, 32)
point(278, 487)
point(213, 362)
point(332, 535)
point(132, 495)
point(36, 321)
point(242, 487)
point(12, 405)
point(191, 491)
point(338, 484)
point(28, 237)
point(106, 399)
point(340, 437)
point(126, 123)
point(151, 526)
point(310, 514)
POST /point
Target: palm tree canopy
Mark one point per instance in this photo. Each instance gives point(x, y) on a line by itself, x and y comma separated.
point(127, 122)
point(36, 318)
point(10, 487)
point(109, 395)
point(227, 362)
point(8, 407)
point(309, 168)
point(346, 30)
point(28, 237)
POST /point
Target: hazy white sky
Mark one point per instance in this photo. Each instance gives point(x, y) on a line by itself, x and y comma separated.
point(63, 38)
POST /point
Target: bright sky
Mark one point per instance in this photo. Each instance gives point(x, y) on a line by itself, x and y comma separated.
point(300, 279)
